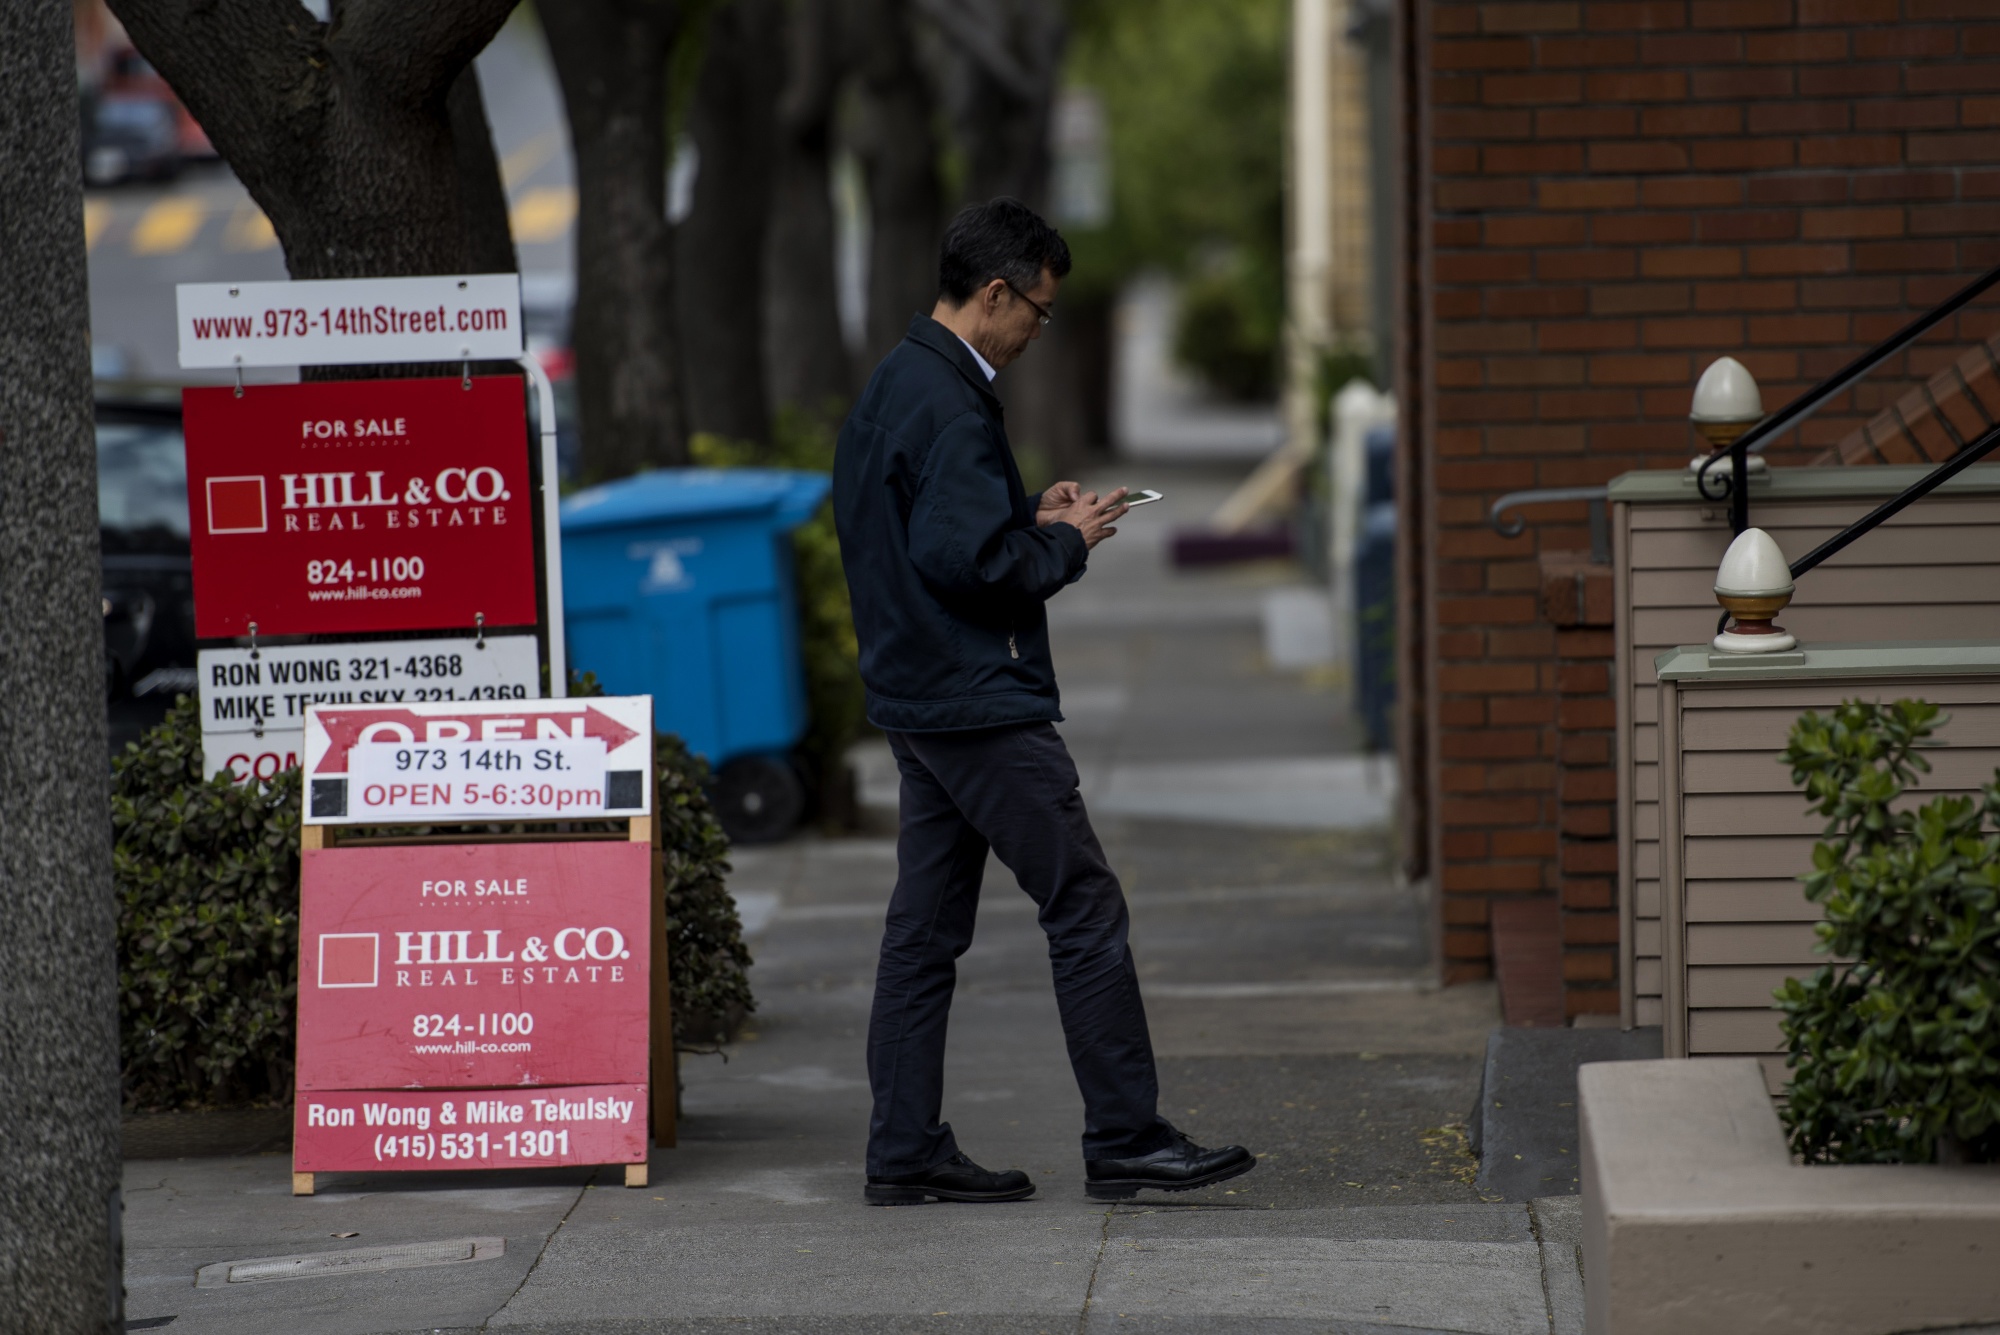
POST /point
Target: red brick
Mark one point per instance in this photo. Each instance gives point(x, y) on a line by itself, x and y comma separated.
point(1952, 77)
point(1743, 154)
point(1636, 86)
point(1487, 337)
point(1850, 293)
point(1723, 85)
point(1692, 48)
point(1461, 644)
point(1853, 150)
point(1612, 369)
point(1794, 330)
point(1488, 678)
point(1454, 19)
point(1702, 331)
point(1822, 258)
point(1464, 845)
point(1536, 709)
point(1567, 336)
point(1937, 113)
point(1826, 224)
point(1948, 219)
point(1756, 225)
point(1741, 13)
point(1521, 776)
point(1639, 16)
point(1588, 893)
point(1584, 748)
point(1525, 844)
point(1794, 48)
point(1462, 779)
point(1463, 713)
point(1490, 54)
point(1535, 371)
point(1448, 90)
point(1586, 123)
point(1587, 194)
point(1483, 123)
point(1599, 1002)
point(1536, 230)
point(1590, 929)
point(1472, 970)
point(1455, 159)
point(1847, 80)
point(1641, 228)
point(1638, 156)
point(1585, 406)
point(1490, 744)
point(1579, 265)
point(1472, 196)
point(1691, 262)
point(1889, 256)
point(1585, 52)
point(1494, 476)
point(1849, 11)
point(1455, 233)
point(1768, 296)
point(1531, 159)
point(1487, 877)
point(1585, 713)
point(1906, 185)
point(1460, 303)
point(1577, 678)
point(1798, 117)
point(1486, 406)
point(1584, 644)
point(1818, 189)
point(1695, 192)
point(1482, 266)
point(1904, 41)
point(1530, 17)
point(1529, 90)
point(1580, 820)
point(1520, 642)
point(1698, 118)
point(1505, 302)
point(1640, 298)
point(1981, 147)
point(1583, 858)
point(1489, 811)
point(1591, 966)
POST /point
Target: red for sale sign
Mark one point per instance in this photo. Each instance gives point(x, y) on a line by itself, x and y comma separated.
point(359, 506)
point(452, 966)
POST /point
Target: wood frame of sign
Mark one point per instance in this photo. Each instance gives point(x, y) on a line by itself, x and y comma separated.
point(513, 724)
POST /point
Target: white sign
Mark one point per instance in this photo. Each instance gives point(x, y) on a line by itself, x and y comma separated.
point(345, 321)
point(253, 703)
point(392, 781)
point(479, 760)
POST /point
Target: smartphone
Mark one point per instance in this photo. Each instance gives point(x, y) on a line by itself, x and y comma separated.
point(1142, 496)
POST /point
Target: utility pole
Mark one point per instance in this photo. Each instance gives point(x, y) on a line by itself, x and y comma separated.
point(60, 1248)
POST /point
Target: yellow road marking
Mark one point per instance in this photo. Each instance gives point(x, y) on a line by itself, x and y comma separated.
point(96, 214)
point(249, 229)
point(544, 214)
point(526, 160)
point(167, 226)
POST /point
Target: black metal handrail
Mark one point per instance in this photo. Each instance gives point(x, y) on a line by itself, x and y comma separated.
point(1735, 482)
point(1916, 491)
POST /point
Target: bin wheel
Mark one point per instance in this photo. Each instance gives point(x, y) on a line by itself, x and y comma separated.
point(759, 799)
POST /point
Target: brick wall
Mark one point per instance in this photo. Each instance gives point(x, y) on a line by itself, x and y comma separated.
point(1619, 191)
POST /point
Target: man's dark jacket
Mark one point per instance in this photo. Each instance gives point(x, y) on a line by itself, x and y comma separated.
point(946, 567)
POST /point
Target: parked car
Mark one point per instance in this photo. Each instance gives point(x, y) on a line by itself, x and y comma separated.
point(142, 519)
point(130, 137)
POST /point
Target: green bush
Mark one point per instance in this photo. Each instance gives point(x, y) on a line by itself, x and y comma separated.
point(832, 657)
point(207, 877)
point(1228, 330)
point(1896, 1052)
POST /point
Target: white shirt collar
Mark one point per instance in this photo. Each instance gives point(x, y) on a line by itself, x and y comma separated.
point(984, 365)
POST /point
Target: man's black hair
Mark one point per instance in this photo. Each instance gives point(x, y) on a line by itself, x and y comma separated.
point(1002, 238)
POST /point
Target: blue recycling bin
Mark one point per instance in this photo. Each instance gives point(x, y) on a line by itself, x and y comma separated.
point(678, 584)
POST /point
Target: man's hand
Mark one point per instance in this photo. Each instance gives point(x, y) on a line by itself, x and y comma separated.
point(1090, 516)
point(1059, 497)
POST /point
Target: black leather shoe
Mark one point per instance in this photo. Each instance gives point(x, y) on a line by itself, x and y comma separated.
point(1181, 1166)
point(956, 1179)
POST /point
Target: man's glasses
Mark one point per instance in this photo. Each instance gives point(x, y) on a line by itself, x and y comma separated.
point(1042, 312)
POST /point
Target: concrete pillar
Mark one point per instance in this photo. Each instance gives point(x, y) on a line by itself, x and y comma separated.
point(59, 1161)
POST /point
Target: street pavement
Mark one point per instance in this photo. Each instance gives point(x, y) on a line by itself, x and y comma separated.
point(1288, 981)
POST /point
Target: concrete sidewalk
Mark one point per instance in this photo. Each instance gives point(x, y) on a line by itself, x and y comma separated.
point(1287, 982)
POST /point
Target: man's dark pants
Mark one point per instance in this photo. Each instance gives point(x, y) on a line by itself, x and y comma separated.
point(1013, 790)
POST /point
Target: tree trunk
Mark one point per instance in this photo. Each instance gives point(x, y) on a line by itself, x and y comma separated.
point(719, 248)
point(611, 57)
point(60, 1220)
point(805, 354)
point(363, 139)
point(898, 146)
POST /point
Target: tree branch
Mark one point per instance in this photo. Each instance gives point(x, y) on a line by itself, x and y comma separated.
point(414, 50)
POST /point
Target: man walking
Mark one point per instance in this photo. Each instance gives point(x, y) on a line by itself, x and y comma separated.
point(949, 561)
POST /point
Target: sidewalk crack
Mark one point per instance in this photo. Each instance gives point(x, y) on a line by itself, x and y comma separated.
point(1090, 1289)
point(542, 1251)
point(1542, 1264)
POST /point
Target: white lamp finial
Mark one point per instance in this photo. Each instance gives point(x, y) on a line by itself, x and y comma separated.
point(1754, 583)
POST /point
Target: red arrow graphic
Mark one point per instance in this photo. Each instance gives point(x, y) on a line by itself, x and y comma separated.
point(343, 730)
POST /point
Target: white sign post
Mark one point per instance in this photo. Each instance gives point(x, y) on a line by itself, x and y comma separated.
point(254, 702)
